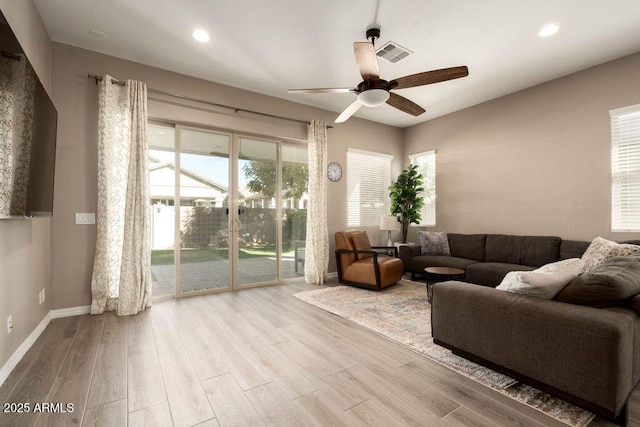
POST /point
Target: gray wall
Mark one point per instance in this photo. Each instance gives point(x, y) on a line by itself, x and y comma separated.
point(533, 162)
point(76, 98)
point(25, 263)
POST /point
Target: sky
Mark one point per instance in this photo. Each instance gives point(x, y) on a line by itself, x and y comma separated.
point(213, 168)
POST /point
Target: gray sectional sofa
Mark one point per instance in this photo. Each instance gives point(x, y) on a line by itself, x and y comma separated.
point(587, 355)
point(487, 258)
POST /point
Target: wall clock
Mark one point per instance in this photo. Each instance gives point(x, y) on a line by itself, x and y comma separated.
point(334, 172)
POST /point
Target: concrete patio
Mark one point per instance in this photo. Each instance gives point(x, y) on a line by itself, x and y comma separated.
point(198, 276)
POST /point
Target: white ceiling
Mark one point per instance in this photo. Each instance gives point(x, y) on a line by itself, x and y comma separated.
point(271, 46)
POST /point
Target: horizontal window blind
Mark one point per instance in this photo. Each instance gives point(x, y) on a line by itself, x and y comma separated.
point(625, 169)
point(426, 163)
point(368, 180)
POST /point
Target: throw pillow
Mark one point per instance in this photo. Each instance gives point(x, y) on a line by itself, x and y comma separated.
point(611, 283)
point(623, 249)
point(433, 243)
point(361, 243)
point(545, 282)
point(602, 249)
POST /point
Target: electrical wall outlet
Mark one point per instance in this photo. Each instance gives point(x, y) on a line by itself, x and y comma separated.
point(43, 296)
point(9, 324)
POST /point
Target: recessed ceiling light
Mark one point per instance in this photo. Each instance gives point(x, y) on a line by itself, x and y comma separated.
point(548, 30)
point(200, 35)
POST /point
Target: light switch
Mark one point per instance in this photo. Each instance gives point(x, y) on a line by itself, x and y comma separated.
point(85, 218)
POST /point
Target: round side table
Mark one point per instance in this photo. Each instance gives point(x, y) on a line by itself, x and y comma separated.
point(440, 274)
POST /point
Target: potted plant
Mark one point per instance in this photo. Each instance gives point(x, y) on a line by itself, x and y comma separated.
point(406, 198)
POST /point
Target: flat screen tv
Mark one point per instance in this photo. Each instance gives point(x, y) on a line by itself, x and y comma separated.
point(28, 125)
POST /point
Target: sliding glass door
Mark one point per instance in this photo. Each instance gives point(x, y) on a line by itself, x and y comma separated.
point(162, 189)
point(203, 224)
point(295, 176)
point(258, 236)
point(229, 211)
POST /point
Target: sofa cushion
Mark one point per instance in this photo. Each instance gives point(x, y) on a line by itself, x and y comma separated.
point(361, 243)
point(419, 263)
point(634, 303)
point(602, 249)
point(470, 246)
point(573, 248)
point(433, 243)
point(533, 251)
point(611, 283)
point(544, 282)
point(491, 273)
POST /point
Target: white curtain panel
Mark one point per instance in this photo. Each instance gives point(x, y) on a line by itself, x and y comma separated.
point(121, 278)
point(317, 243)
point(17, 92)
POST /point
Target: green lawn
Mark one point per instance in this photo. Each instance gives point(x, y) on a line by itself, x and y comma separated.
point(165, 257)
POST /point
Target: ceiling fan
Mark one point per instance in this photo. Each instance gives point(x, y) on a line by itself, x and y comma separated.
point(374, 91)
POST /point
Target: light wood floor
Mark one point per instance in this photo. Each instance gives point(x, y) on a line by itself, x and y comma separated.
point(254, 357)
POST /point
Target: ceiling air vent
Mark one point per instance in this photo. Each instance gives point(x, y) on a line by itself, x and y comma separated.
point(393, 52)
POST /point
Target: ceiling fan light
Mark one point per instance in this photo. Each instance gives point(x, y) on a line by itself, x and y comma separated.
point(373, 97)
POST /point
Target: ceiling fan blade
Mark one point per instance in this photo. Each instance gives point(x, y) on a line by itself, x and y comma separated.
point(403, 104)
point(324, 90)
point(429, 77)
point(349, 111)
point(367, 60)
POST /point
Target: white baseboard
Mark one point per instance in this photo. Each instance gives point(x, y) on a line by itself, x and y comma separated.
point(22, 350)
point(17, 355)
point(333, 275)
point(71, 311)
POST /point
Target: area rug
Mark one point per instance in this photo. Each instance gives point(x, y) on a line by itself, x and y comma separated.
point(402, 314)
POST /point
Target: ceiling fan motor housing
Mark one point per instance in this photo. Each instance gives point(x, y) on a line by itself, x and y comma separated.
point(373, 93)
point(375, 84)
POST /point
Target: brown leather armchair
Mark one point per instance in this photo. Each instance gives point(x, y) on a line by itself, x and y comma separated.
point(361, 266)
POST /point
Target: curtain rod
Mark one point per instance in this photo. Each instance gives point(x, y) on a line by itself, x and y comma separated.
point(188, 98)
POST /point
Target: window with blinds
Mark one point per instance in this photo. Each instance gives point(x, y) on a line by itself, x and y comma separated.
point(426, 163)
point(368, 180)
point(625, 169)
